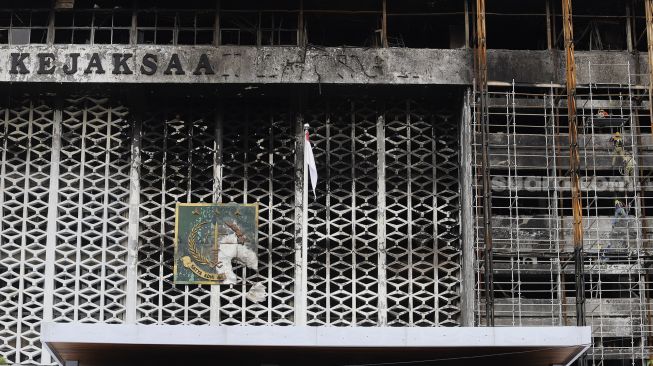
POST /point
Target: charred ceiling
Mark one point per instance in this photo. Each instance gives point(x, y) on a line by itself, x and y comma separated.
point(511, 24)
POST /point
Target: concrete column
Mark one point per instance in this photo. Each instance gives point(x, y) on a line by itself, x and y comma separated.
point(134, 218)
point(301, 224)
point(467, 216)
point(217, 197)
point(51, 238)
point(380, 223)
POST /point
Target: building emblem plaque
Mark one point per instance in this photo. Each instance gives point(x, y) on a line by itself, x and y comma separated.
point(210, 238)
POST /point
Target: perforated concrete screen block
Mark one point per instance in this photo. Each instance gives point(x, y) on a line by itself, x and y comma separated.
point(91, 185)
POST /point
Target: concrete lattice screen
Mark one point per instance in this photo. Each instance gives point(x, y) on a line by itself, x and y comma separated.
point(89, 187)
point(415, 148)
point(344, 275)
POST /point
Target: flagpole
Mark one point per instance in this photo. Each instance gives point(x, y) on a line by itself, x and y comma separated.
point(304, 268)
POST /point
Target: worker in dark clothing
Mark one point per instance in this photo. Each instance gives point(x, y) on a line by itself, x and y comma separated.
point(619, 212)
point(603, 252)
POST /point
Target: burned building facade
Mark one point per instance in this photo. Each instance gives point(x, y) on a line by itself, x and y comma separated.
point(481, 163)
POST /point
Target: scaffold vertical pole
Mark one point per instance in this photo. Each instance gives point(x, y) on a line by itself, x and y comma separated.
point(549, 34)
point(574, 163)
point(384, 26)
point(481, 79)
point(648, 5)
point(649, 35)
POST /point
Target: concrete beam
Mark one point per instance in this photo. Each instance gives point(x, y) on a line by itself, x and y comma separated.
point(295, 65)
point(274, 336)
point(606, 327)
point(539, 234)
point(229, 65)
point(543, 308)
point(532, 67)
point(529, 151)
point(110, 344)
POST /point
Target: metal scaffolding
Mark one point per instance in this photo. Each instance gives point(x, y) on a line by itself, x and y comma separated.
point(535, 251)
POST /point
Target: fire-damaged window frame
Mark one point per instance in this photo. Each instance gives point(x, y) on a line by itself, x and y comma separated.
point(236, 23)
point(93, 28)
point(309, 22)
point(19, 26)
point(259, 28)
point(179, 27)
point(238, 28)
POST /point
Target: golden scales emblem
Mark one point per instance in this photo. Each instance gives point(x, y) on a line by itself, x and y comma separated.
point(204, 237)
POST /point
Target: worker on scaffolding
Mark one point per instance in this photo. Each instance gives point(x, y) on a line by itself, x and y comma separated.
point(628, 167)
point(603, 252)
point(617, 144)
point(620, 213)
point(602, 114)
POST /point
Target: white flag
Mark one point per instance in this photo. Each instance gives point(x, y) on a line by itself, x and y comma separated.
point(310, 161)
